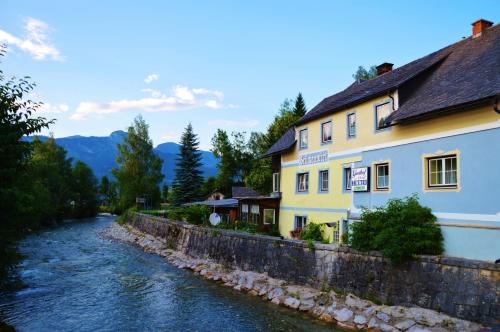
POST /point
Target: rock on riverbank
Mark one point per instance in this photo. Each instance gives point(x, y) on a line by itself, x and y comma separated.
point(346, 310)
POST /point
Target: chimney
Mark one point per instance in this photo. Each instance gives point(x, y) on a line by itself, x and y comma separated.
point(479, 26)
point(384, 68)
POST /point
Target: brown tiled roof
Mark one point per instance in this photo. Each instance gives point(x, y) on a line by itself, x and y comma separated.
point(458, 75)
point(470, 74)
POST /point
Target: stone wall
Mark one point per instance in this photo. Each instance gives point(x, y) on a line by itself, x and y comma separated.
point(463, 288)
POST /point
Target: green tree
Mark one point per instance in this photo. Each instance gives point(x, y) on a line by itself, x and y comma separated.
point(16, 120)
point(363, 74)
point(139, 172)
point(84, 191)
point(50, 167)
point(188, 179)
point(104, 186)
point(210, 184)
point(222, 149)
point(164, 193)
point(299, 110)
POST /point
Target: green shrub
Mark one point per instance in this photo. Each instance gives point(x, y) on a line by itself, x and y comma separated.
point(196, 214)
point(274, 230)
point(312, 231)
point(400, 230)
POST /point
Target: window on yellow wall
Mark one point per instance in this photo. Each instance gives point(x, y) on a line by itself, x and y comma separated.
point(326, 132)
point(347, 178)
point(303, 182)
point(351, 125)
point(303, 139)
point(323, 181)
point(382, 111)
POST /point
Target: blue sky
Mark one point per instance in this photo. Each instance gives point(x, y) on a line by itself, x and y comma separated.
point(218, 64)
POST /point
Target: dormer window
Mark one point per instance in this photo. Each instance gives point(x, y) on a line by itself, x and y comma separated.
point(303, 139)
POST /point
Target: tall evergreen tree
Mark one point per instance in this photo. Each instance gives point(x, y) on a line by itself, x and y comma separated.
point(84, 190)
point(299, 110)
point(164, 193)
point(188, 179)
point(139, 173)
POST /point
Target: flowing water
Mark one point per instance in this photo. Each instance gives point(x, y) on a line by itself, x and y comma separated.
point(77, 281)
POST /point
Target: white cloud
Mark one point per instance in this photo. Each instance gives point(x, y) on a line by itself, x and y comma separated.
point(55, 109)
point(181, 98)
point(246, 123)
point(36, 42)
point(151, 78)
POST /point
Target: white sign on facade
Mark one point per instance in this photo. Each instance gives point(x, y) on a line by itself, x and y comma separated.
point(314, 158)
point(360, 179)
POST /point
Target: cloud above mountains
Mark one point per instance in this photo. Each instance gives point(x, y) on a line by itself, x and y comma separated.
point(36, 42)
point(180, 98)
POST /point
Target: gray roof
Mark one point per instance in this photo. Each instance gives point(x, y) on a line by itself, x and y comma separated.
point(244, 192)
point(228, 202)
point(459, 75)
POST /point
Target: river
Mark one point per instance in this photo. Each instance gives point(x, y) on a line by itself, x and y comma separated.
point(78, 281)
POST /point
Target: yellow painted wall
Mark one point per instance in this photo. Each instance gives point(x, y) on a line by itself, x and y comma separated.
point(365, 131)
point(312, 203)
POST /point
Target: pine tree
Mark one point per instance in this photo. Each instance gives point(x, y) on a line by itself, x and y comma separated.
point(164, 193)
point(188, 179)
point(300, 106)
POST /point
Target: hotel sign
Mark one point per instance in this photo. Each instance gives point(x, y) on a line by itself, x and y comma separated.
point(314, 158)
point(360, 179)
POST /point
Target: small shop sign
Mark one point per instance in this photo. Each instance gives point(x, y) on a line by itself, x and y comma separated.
point(360, 179)
point(314, 158)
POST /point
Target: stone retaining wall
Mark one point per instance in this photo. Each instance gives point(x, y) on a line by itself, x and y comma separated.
point(463, 288)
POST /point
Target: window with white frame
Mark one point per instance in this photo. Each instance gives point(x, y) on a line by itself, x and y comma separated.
point(351, 125)
point(300, 222)
point(382, 111)
point(347, 178)
point(442, 171)
point(303, 138)
point(323, 181)
point(269, 216)
point(382, 176)
point(326, 132)
point(254, 214)
point(276, 182)
point(244, 212)
point(303, 182)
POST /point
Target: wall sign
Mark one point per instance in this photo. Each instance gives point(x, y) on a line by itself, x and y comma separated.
point(314, 158)
point(360, 179)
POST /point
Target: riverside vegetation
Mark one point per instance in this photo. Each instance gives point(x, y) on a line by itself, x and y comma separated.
point(39, 185)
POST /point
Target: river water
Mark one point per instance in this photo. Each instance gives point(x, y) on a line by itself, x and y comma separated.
point(77, 281)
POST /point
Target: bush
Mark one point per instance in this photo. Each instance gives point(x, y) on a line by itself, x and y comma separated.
point(193, 214)
point(313, 232)
point(241, 226)
point(400, 230)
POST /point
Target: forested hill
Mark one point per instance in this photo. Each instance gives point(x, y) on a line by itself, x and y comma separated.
point(100, 154)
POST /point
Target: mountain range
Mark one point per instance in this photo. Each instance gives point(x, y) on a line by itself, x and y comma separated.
point(100, 154)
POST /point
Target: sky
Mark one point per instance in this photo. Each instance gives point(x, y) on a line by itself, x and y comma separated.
point(216, 64)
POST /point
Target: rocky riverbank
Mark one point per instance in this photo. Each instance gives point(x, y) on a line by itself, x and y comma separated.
point(346, 310)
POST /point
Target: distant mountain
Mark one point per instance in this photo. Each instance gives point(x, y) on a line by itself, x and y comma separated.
point(100, 154)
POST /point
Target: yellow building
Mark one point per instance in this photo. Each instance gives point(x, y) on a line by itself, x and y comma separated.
point(420, 128)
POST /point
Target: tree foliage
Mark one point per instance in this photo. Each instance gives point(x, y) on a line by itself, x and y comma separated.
point(139, 168)
point(400, 230)
point(299, 110)
point(363, 74)
point(188, 176)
